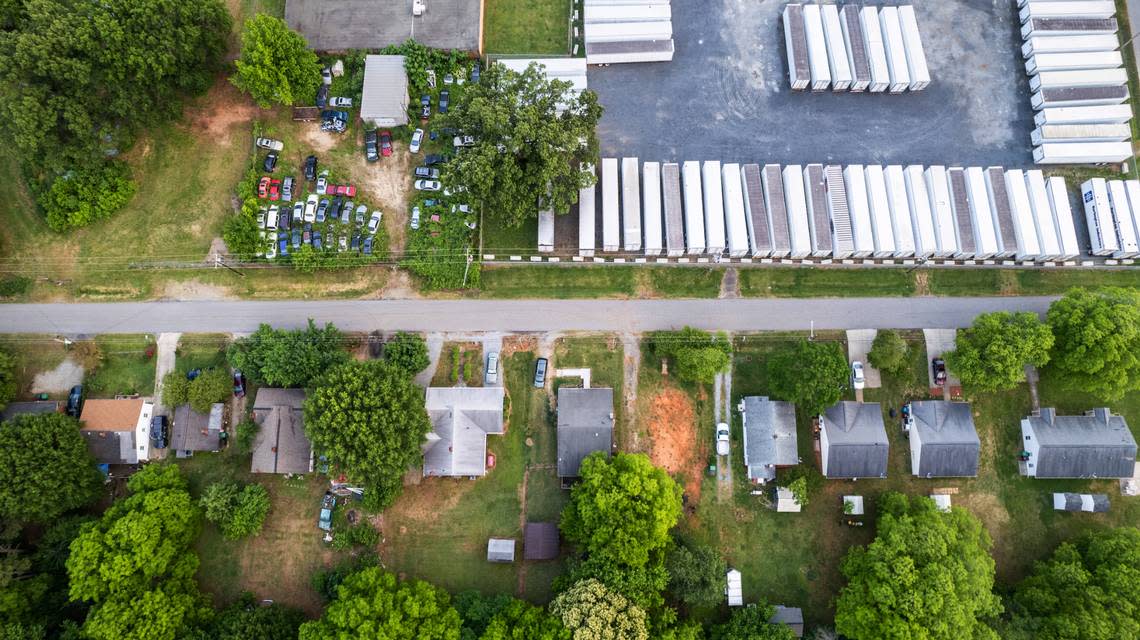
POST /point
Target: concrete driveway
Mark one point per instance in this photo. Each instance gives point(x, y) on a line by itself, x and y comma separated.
point(939, 341)
point(859, 343)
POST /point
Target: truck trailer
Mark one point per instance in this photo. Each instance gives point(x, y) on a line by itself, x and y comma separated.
point(895, 49)
point(1099, 114)
point(816, 47)
point(630, 205)
point(674, 212)
point(842, 236)
point(773, 180)
point(734, 217)
point(960, 205)
point(611, 211)
point(819, 222)
point(759, 229)
point(1080, 78)
point(651, 207)
point(1068, 44)
point(1068, 27)
point(1047, 236)
point(876, 50)
point(1004, 225)
point(836, 50)
point(1073, 61)
point(862, 228)
point(900, 211)
point(1098, 217)
point(714, 207)
point(1025, 230)
point(1078, 97)
point(587, 218)
point(795, 42)
point(942, 212)
point(1054, 9)
point(1080, 133)
point(795, 200)
point(981, 216)
point(921, 217)
point(694, 208)
point(1063, 216)
point(881, 223)
point(856, 46)
point(915, 55)
point(1082, 152)
point(1126, 238)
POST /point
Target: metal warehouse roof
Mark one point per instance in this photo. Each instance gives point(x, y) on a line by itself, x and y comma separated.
point(384, 99)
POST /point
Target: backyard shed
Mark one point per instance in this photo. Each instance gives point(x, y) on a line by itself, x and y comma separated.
point(1097, 444)
point(1087, 502)
point(384, 99)
point(714, 207)
point(611, 212)
point(900, 211)
point(942, 501)
point(921, 217)
point(943, 440)
point(881, 224)
point(842, 238)
point(587, 218)
point(853, 441)
point(1063, 217)
point(793, 617)
point(856, 505)
point(1001, 208)
point(735, 225)
point(856, 47)
point(540, 541)
point(461, 418)
point(500, 550)
point(819, 222)
point(694, 208)
point(630, 205)
point(769, 437)
point(585, 425)
point(733, 589)
point(281, 445)
point(960, 205)
point(777, 210)
point(942, 211)
point(674, 212)
point(651, 207)
point(759, 229)
point(862, 229)
point(799, 234)
point(1047, 236)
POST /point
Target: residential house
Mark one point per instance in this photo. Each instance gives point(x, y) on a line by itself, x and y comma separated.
point(461, 418)
point(1097, 444)
point(384, 99)
point(943, 440)
point(30, 408)
point(769, 437)
point(585, 425)
point(192, 431)
point(281, 445)
point(117, 430)
point(853, 442)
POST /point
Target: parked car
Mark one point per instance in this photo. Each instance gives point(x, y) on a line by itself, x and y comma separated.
point(460, 208)
point(283, 219)
point(444, 98)
point(261, 218)
point(371, 150)
point(328, 503)
point(334, 125)
point(427, 172)
point(322, 183)
point(361, 211)
point(428, 185)
point(283, 246)
point(271, 248)
point(431, 202)
point(425, 100)
point(333, 212)
point(311, 168)
point(317, 241)
point(298, 211)
point(425, 113)
point(492, 374)
point(75, 401)
point(355, 242)
point(433, 159)
point(239, 384)
point(722, 434)
point(374, 221)
point(339, 101)
point(342, 244)
point(311, 208)
point(857, 379)
point(159, 432)
point(271, 218)
point(269, 143)
point(323, 96)
point(366, 249)
point(287, 189)
point(307, 237)
point(333, 114)
point(448, 78)
point(417, 140)
point(938, 366)
point(274, 189)
point(415, 217)
point(263, 187)
point(322, 208)
point(326, 76)
point(540, 373)
point(463, 141)
point(346, 213)
point(385, 143)
point(296, 239)
point(475, 72)
point(349, 190)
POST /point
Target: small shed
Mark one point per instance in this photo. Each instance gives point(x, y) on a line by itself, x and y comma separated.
point(540, 541)
point(856, 503)
point(793, 617)
point(942, 501)
point(733, 588)
point(500, 550)
point(1087, 502)
point(786, 502)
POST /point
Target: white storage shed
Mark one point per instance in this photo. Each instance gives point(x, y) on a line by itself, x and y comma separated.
point(587, 218)
point(896, 50)
point(1126, 237)
point(694, 208)
point(714, 207)
point(1063, 217)
point(862, 228)
point(674, 212)
point(1047, 237)
point(799, 234)
point(795, 42)
point(960, 205)
point(836, 50)
point(915, 55)
point(856, 45)
point(1000, 209)
point(842, 236)
point(900, 211)
point(881, 223)
point(981, 217)
point(876, 50)
point(630, 205)
point(942, 212)
point(1098, 217)
point(611, 211)
point(1024, 228)
point(817, 48)
point(921, 217)
point(759, 229)
point(651, 207)
point(777, 210)
point(735, 225)
point(819, 222)
point(1097, 114)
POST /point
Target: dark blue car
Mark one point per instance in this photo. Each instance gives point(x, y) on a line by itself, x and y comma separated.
point(75, 401)
point(444, 100)
point(296, 238)
point(368, 246)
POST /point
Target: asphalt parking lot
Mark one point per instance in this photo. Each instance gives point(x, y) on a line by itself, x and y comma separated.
point(725, 96)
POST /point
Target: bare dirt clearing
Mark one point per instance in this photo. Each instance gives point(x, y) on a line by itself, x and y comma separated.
point(223, 108)
point(60, 379)
point(673, 430)
point(389, 183)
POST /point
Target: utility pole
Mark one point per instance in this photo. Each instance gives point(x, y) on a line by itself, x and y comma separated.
point(470, 259)
point(812, 336)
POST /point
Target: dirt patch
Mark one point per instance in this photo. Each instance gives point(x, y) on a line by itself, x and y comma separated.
point(389, 183)
point(514, 344)
point(194, 290)
point(672, 427)
point(921, 283)
point(60, 379)
point(426, 501)
point(223, 108)
point(318, 140)
point(400, 286)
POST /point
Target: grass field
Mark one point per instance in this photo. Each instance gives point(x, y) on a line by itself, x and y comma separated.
point(526, 26)
point(127, 367)
point(527, 281)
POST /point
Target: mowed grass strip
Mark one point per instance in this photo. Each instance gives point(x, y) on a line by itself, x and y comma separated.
point(526, 26)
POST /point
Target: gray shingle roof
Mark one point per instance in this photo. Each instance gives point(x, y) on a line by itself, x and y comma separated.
point(540, 541)
point(950, 443)
point(112, 447)
point(857, 440)
point(461, 419)
point(1097, 444)
point(585, 425)
point(384, 98)
point(193, 431)
point(281, 445)
point(769, 436)
point(30, 408)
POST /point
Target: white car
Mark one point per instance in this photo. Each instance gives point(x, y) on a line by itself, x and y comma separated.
point(326, 75)
point(374, 221)
point(271, 218)
point(857, 379)
point(261, 218)
point(448, 191)
point(322, 182)
point(461, 208)
point(493, 367)
point(311, 208)
point(269, 143)
point(428, 185)
point(298, 211)
point(463, 141)
point(415, 217)
point(342, 244)
point(361, 211)
point(417, 140)
point(338, 101)
point(271, 250)
point(722, 439)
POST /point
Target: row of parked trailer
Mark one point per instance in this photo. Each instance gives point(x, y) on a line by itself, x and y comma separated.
point(1079, 84)
point(619, 31)
point(1112, 213)
point(824, 211)
point(853, 48)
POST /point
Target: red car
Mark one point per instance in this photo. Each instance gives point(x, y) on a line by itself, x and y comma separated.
point(341, 189)
point(385, 143)
point(263, 187)
point(350, 190)
point(274, 189)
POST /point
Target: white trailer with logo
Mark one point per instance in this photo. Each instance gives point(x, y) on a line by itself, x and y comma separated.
point(1079, 78)
point(942, 212)
point(1073, 61)
point(842, 236)
point(651, 207)
point(630, 205)
point(795, 41)
point(1098, 114)
point(777, 210)
point(896, 50)
point(759, 228)
point(881, 223)
point(1024, 227)
point(817, 48)
point(1000, 209)
point(862, 228)
point(1082, 152)
point(1098, 217)
point(1063, 216)
point(836, 50)
point(611, 211)
point(735, 225)
point(694, 208)
point(915, 55)
point(960, 205)
point(1126, 237)
point(819, 222)
point(856, 46)
point(714, 208)
point(981, 216)
point(1047, 236)
point(799, 234)
point(674, 211)
point(876, 50)
point(587, 218)
point(900, 211)
point(1068, 44)
point(921, 217)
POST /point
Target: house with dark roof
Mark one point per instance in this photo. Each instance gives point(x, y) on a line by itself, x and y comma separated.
point(769, 436)
point(853, 441)
point(1098, 444)
point(117, 430)
point(281, 445)
point(30, 408)
point(461, 419)
point(191, 431)
point(943, 440)
point(585, 425)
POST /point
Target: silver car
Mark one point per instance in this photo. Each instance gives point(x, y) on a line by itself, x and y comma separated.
point(492, 367)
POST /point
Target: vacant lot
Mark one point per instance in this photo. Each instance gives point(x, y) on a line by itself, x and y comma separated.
point(526, 26)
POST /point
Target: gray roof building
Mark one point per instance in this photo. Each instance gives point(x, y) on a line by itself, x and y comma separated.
point(791, 616)
point(540, 541)
point(375, 24)
point(500, 550)
point(30, 408)
point(943, 440)
point(192, 431)
point(112, 447)
point(461, 418)
point(769, 437)
point(585, 425)
point(384, 100)
point(1090, 502)
point(281, 445)
point(853, 441)
point(1097, 444)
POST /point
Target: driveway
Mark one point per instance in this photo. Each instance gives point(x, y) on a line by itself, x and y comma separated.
point(166, 347)
point(939, 341)
point(859, 343)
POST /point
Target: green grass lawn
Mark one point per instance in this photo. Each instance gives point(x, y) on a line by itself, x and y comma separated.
point(526, 26)
point(557, 282)
point(33, 354)
point(812, 282)
point(127, 366)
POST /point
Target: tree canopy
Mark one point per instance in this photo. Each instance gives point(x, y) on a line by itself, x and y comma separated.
point(1085, 591)
point(369, 419)
point(45, 468)
point(408, 352)
point(1097, 340)
point(7, 378)
point(532, 136)
point(276, 64)
point(696, 575)
point(284, 358)
point(991, 355)
point(752, 623)
point(889, 352)
point(247, 619)
point(810, 374)
point(927, 575)
point(212, 386)
point(238, 511)
point(592, 611)
point(373, 603)
point(522, 621)
point(694, 355)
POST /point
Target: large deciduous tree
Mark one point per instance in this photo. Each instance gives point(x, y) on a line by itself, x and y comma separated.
point(276, 64)
point(283, 358)
point(211, 387)
point(238, 511)
point(810, 374)
point(532, 136)
point(1097, 340)
point(369, 419)
point(592, 611)
point(889, 352)
point(991, 355)
point(752, 623)
point(927, 575)
point(45, 468)
point(373, 603)
point(696, 575)
point(695, 355)
point(7, 378)
point(407, 351)
point(522, 621)
point(246, 619)
point(1085, 591)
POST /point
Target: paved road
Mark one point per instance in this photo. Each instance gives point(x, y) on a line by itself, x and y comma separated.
point(508, 315)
